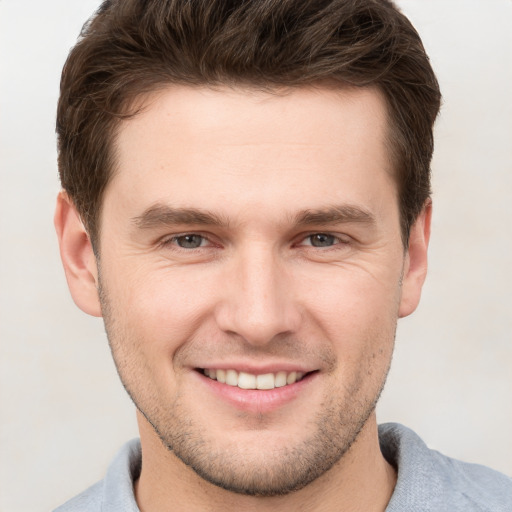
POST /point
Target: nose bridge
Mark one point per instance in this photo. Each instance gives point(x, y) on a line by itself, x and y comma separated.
point(258, 304)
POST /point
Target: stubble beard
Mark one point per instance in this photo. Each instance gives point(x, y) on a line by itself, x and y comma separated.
point(237, 468)
point(270, 474)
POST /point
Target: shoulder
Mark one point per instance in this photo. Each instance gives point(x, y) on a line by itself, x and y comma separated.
point(429, 481)
point(115, 491)
point(87, 501)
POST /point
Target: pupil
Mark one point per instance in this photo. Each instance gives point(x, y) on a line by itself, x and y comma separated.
point(189, 241)
point(322, 240)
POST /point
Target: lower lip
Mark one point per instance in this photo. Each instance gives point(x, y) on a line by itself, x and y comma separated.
point(255, 400)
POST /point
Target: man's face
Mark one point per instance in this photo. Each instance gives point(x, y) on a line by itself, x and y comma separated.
point(253, 236)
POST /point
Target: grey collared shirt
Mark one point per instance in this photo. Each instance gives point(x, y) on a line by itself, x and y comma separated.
point(427, 480)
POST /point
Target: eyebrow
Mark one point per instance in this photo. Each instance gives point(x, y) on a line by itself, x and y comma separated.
point(164, 215)
point(335, 215)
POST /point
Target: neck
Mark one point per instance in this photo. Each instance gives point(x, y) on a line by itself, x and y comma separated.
point(361, 480)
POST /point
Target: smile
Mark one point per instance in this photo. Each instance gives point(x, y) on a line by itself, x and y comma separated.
point(245, 380)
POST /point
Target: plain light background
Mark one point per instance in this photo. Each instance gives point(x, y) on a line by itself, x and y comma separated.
point(63, 413)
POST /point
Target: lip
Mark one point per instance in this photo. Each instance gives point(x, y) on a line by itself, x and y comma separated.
point(256, 369)
point(256, 401)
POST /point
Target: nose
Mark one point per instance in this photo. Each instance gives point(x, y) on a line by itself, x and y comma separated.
point(258, 302)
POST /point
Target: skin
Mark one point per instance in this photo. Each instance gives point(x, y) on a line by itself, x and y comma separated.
point(255, 175)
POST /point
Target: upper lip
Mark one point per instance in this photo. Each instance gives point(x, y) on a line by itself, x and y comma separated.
point(257, 369)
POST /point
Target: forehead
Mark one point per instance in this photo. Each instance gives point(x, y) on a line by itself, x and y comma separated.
point(252, 116)
point(201, 145)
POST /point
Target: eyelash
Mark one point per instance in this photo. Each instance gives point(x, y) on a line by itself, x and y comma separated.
point(172, 241)
point(337, 241)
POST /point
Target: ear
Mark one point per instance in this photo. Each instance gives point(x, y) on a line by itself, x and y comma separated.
point(415, 265)
point(77, 256)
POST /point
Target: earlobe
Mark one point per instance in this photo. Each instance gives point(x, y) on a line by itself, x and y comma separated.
point(77, 256)
point(415, 266)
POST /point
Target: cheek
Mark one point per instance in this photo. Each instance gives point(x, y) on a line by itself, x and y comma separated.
point(355, 297)
point(358, 312)
point(163, 307)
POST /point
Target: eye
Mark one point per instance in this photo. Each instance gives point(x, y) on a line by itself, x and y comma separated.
point(189, 241)
point(321, 240)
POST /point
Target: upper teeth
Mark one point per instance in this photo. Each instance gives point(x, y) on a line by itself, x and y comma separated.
point(249, 381)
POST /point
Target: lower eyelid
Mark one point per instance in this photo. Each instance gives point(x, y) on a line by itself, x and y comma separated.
point(338, 240)
point(172, 240)
point(206, 242)
point(203, 240)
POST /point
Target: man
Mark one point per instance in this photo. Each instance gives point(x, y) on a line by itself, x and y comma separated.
point(246, 204)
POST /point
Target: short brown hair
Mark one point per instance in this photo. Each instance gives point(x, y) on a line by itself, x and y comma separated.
point(132, 47)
